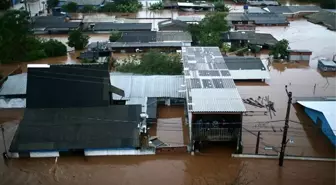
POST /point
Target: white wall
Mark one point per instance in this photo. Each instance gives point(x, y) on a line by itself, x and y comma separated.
point(108, 152)
point(43, 154)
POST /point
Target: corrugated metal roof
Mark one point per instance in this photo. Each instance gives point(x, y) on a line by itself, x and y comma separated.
point(210, 87)
point(166, 36)
point(14, 85)
point(190, 18)
point(108, 26)
point(328, 63)
point(249, 74)
point(144, 44)
point(139, 86)
point(87, 2)
point(300, 50)
point(13, 103)
point(327, 108)
point(216, 100)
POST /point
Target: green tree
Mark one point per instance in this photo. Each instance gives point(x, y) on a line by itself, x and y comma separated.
point(77, 40)
point(151, 63)
point(221, 7)
point(156, 6)
point(70, 7)
point(88, 61)
point(4, 4)
point(54, 48)
point(88, 8)
point(125, 6)
point(52, 3)
point(115, 35)
point(208, 32)
point(327, 4)
point(14, 30)
point(225, 48)
point(280, 49)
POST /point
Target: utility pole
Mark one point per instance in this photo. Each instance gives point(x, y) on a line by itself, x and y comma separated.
point(25, 4)
point(257, 145)
point(3, 137)
point(284, 137)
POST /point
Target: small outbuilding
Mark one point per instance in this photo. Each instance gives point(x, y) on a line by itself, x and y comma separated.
point(296, 55)
point(326, 65)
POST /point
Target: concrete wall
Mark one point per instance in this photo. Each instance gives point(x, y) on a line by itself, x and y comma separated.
point(299, 57)
point(315, 115)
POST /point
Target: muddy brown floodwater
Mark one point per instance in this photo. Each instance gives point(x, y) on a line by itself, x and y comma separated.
point(215, 165)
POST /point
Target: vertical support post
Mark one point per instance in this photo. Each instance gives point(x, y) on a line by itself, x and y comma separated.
point(284, 138)
point(257, 144)
point(3, 137)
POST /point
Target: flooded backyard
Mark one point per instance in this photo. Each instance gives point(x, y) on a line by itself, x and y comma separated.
point(214, 165)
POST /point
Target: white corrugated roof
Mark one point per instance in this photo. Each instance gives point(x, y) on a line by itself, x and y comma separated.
point(14, 85)
point(328, 108)
point(13, 103)
point(216, 100)
point(249, 74)
point(139, 86)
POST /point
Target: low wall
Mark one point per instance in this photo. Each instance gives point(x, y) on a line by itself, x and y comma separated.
point(171, 149)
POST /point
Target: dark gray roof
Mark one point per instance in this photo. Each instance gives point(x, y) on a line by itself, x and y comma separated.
point(237, 63)
point(73, 85)
point(78, 128)
point(91, 55)
point(109, 26)
point(279, 9)
point(138, 36)
point(87, 2)
point(14, 85)
point(252, 37)
point(267, 18)
point(172, 25)
point(324, 17)
point(53, 22)
point(258, 18)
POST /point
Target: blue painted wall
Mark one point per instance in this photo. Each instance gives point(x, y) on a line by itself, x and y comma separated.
point(313, 114)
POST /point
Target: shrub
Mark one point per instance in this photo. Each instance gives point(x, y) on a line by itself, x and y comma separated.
point(54, 48)
point(35, 55)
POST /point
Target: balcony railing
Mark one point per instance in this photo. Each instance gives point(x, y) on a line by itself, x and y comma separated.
point(215, 134)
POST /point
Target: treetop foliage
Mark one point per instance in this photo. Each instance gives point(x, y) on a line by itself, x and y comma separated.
point(152, 63)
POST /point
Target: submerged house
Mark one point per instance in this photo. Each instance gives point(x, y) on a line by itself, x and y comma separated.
point(326, 65)
point(322, 113)
point(323, 17)
point(107, 27)
point(244, 38)
point(214, 105)
point(247, 68)
point(195, 6)
point(144, 41)
point(70, 110)
point(82, 3)
point(53, 24)
point(172, 25)
point(297, 55)
point(293, 11)
point(257, 19)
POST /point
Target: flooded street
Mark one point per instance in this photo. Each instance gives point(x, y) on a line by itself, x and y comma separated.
point(215, 165)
